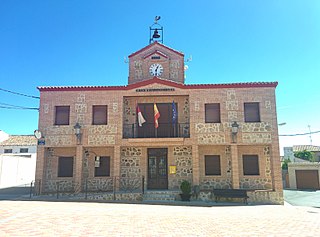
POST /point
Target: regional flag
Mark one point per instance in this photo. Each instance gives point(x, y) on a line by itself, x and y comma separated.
point(141, 119)
point(156, 115)
point(174, 113)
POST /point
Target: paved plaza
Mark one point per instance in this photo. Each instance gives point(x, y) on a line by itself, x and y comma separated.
point(36, 218)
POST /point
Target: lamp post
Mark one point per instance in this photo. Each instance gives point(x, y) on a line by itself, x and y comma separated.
point(77, 132)
point(234, 131)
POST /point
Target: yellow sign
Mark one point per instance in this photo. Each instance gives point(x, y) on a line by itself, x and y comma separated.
point(172, 169)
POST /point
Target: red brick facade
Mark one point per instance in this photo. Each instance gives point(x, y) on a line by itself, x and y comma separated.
point(184, 145)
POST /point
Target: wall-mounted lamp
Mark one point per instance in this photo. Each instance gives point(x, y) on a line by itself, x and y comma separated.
point(234, 131)
point(77, 132)
point(96, 158)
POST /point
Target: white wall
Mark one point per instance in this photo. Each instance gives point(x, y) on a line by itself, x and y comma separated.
point(17, 169)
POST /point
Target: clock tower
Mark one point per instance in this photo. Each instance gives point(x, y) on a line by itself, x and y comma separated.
point(156, 60)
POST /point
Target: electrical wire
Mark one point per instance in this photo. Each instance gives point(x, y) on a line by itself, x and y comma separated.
point(26, 108)
point(299, 134)
point(9, 106)
point(17, 93)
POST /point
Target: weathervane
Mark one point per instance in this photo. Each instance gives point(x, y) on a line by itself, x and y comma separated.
point(156, 31)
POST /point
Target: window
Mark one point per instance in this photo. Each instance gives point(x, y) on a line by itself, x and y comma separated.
point(212, 165)
point(250, 165)
point(251, 112)
point(7, 150)
point(99, 114)
point(104, 167)
point(212, 113)
point(62, 115)
point(24, 150)
point(65, 167)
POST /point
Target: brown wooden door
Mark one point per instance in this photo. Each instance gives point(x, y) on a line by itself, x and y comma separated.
point(307, 179)
point(157, 168)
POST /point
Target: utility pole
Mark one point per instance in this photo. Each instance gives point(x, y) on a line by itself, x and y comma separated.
point(310, 134)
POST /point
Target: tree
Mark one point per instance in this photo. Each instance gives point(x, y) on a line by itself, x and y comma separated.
point(284, 165)
point(305, 155)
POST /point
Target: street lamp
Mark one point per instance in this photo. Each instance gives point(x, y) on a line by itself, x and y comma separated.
point(77, 132)
point(234, 131)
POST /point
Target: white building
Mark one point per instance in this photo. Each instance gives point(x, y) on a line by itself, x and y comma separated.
point(17, 159)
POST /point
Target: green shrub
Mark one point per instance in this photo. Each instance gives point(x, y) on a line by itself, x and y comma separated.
point(185, 187)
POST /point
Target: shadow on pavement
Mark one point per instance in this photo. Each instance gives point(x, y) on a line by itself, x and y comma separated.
point(11, 193)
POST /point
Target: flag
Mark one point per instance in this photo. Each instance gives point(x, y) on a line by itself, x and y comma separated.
point(174, 113)
point(141, 119)
point(156, 115)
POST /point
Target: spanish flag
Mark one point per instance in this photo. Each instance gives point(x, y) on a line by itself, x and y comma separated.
point(156, 115)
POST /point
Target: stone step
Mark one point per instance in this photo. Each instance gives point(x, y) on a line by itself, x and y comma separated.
point(159, 196)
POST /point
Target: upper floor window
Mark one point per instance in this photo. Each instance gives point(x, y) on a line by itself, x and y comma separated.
point(212, 113)
point(24, 150)
point(250, 165)
point(65, 167)
point(99, 114)
point(7, 150)
point(251, 112)
point(62, 115)
point(212, 165)
point(104, 167)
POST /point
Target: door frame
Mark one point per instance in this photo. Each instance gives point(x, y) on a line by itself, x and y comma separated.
point(161, 152)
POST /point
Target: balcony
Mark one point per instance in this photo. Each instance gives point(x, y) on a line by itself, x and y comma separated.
point(148, 130)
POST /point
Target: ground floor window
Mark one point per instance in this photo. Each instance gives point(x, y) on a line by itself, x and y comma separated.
point(65, 167)
point(250, 165)
point(212, 165)
point(102, 166)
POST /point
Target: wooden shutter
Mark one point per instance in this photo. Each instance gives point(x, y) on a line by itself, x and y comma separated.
point(212, 113)
point(62, 115)
point(65, 167)
point(251, 112)
point(250, 165)
point(100, 115)
point(104, 168)
point(212, 165)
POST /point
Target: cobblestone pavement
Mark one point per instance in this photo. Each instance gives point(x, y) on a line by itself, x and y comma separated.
point(36, 218)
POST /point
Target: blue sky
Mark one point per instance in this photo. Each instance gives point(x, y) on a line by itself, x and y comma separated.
point(72, 42)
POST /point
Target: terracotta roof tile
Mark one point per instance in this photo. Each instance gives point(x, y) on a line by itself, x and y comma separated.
point(305, 147)
point(160, 81)
point(20, 140)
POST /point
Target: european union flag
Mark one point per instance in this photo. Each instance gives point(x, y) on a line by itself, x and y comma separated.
point(174, 113)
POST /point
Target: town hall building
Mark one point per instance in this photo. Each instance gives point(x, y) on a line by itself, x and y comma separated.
point(128, 142)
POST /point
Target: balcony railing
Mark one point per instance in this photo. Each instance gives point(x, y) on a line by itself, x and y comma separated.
point(148, 130)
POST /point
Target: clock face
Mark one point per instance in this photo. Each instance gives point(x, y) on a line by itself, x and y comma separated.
point(156, 69)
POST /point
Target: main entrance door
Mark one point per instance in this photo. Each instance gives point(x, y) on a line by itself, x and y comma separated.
point(157, 168)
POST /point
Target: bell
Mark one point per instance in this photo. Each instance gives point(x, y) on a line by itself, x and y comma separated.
point(156, 34)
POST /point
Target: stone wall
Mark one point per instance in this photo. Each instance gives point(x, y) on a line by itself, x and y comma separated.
point(130, 162)
point(58, 185)
point(183, 160)
point(215, 183)
point(255, 197)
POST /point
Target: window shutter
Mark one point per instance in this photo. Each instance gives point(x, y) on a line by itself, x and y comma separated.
point(65, 167)
point(251, 112)
point(100, 114)
point(212, 113)
point(62, 115)
point(212, 165)
point(250, 165)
